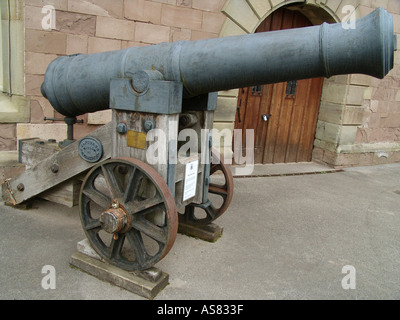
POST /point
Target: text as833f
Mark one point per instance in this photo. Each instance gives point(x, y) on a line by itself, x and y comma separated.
point(212, 309)
point(221, 309)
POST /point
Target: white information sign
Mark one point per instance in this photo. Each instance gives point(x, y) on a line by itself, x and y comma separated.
point(189, 190)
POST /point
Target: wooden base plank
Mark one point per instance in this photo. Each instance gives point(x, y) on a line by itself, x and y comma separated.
point(210, 233)
point(142, 284)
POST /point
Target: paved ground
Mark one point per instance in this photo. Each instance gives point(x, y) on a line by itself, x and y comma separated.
point(284, 238)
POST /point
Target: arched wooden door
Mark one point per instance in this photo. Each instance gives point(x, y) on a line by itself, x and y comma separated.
point(283, 115)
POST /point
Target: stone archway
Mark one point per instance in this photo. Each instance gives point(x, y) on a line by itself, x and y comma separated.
point(290, 108)
point(343, 96)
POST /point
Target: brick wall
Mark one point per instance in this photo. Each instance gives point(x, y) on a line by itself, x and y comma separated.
point(359, 117)
point(102, 25)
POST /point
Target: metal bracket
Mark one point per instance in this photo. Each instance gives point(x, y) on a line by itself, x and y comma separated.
point(69, 121)
point(159, 97)
point(207, 169)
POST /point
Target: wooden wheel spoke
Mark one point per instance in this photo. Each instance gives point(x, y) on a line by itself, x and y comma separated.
point(217, 189)
point(136, 242)
point(97, 197)
point(144, 207)
point(148, 205)
point(113, 183)
point(151, 230)
point(92, 225)
point(133, 185)
point(116, 247)
point(214, 168)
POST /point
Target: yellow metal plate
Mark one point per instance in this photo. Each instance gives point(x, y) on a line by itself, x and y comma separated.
point(137, 140)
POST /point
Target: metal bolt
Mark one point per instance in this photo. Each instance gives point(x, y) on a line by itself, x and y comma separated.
point(122, 128)
point(184, 120)
point(55, 168)
point(115, 204)
point(148, 125)
point(21, 187)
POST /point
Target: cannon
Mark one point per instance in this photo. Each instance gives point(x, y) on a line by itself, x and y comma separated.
point(140, 180)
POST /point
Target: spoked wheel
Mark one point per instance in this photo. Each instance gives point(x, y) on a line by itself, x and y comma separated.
point(220, 192)
point(128, 213)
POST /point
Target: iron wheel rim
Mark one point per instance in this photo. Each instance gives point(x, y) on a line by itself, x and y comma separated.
point(124, 179)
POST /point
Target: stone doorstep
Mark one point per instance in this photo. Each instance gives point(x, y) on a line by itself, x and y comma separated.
point(284, 169)
point(147, 284)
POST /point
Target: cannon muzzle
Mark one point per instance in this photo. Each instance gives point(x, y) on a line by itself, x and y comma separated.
point(80, 84)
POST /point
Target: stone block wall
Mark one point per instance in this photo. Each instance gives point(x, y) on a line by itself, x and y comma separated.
point(359, 120)
point(95, 26)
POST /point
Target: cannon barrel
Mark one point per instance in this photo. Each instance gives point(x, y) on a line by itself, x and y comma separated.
point(80, 84)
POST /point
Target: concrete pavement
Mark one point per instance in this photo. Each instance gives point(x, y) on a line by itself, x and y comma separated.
point(285, 237)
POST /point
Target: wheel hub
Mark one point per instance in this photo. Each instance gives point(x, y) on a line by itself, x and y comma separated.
point(114, 219)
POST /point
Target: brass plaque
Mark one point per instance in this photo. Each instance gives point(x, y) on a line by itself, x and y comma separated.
point(137, 140)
